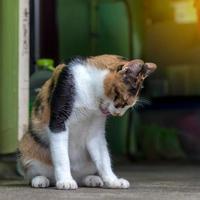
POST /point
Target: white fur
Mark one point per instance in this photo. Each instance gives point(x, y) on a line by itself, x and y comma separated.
point(89, 86)
point(116, 183)
point(60, 159)
point(81, 150)
point(40, 182)
point(93, 181)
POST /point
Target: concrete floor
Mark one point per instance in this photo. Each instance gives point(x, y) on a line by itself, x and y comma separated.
point(148, 182)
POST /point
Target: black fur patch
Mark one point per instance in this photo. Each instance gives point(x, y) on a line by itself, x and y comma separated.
point(62, 100)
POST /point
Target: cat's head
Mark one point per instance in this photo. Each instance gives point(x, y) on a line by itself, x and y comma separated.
point(122, 86)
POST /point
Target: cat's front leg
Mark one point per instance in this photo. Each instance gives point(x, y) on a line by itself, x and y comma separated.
point(98, 150)
point(60, 158)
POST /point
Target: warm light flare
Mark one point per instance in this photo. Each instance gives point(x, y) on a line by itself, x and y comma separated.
point(185, 11)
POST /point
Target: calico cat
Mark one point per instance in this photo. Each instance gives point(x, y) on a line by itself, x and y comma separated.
point(65, 145)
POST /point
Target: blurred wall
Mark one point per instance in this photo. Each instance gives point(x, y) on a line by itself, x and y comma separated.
point(168, 42)
point(89, 27)
point(73, 24)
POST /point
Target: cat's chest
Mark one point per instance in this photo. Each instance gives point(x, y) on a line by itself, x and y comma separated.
point(79, 125)
point(79, 130)
point(82, 125)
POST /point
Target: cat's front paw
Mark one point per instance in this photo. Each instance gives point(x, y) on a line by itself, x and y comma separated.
point(66, 185)
point(116, 183)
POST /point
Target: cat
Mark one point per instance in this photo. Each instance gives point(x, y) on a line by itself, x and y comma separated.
point(65, 145)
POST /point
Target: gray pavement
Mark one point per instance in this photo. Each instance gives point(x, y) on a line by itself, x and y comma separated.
point(148, 182)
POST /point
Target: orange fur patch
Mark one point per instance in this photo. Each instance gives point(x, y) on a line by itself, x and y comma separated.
point(29, 149)
point(111, 62)
point(117, 90)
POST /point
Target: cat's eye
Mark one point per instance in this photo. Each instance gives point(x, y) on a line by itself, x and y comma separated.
point(124, 104)
point(121, 105)
point(119, 68)
point(118, 105)
point(133, 91)
point(115, 97)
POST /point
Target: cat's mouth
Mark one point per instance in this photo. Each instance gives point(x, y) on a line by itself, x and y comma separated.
point(105, 110)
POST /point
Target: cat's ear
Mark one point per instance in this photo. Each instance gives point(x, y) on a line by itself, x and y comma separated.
point(149, 68)
point(137, 67)
point(134, 67)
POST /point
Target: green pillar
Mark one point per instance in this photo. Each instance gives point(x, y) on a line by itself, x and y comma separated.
point(137, 20)
point(8, 75)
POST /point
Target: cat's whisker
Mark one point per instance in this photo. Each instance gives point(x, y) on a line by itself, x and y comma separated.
point(145, 100)
point(140, 103)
